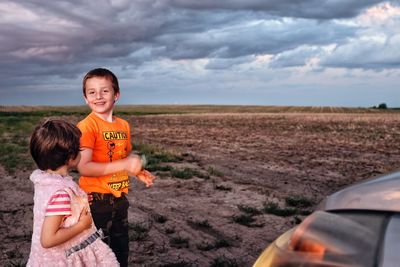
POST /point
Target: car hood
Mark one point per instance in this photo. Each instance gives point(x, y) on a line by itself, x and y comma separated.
point(381, 193)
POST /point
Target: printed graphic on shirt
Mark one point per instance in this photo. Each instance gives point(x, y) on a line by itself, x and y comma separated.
point(119, 185)
point(110, 147)
point(112, 138)
point(115, 136)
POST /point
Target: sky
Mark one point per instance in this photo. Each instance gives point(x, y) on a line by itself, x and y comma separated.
point(236, 52)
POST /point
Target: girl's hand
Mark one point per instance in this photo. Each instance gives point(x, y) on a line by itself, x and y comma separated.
point(146, 177)
point(90, 198)
point(85, 219)
point(54, 235)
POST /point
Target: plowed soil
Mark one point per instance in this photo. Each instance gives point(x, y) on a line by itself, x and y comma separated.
point(240, 160)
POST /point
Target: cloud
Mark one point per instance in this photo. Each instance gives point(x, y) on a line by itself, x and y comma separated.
point(299, 56)
point(375, 44)
point(310, 9)
point(225, 63)
point(47, 45)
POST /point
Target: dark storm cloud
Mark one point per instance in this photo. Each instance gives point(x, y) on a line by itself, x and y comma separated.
point(263, 37)
point(108, 29)
point(311, 9)
point(53, 41)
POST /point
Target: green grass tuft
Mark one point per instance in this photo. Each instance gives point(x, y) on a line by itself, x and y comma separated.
point(273, 208)
point(200, 224)
point(249, 210)
point(214, 172)
point(223, 261)
point(156, 157)
point(222, 188)
point(138, 232)
point(158, 218)
point(299, 202)
point(179, 242)
point(179, 263)
point(185, 173)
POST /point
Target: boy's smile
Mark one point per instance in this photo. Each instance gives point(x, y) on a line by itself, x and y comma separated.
point(100, 96)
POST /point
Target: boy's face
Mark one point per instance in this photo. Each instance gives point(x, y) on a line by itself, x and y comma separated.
point(100, 95)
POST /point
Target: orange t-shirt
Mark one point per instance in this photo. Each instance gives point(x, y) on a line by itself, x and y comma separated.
point(109, 141)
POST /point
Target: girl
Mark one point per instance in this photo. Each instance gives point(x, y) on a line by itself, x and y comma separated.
point(63, 230)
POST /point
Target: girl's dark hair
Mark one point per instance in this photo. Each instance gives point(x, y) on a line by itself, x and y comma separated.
point(100, 72)
point(53, 143)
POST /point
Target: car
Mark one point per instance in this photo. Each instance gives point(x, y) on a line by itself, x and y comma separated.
point(356, 226)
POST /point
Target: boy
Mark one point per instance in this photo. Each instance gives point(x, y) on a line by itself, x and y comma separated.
point(105, 162)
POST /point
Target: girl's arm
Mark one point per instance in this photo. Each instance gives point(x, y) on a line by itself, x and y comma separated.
point(53, 235)
point(132, 164)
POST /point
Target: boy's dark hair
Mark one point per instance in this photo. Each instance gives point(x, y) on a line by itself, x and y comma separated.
point(53, 143)
point(100, 72)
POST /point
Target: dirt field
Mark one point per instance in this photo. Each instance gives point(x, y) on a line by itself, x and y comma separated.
point(240, 162)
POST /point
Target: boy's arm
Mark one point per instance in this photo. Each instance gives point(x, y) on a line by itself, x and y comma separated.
point(52, 235)
point(132, 164)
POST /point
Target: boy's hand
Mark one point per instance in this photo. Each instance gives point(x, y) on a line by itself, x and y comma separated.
point(146, 177)
point(134, 165)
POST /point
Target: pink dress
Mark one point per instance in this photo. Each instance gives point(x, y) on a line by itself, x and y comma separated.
point(85, 249)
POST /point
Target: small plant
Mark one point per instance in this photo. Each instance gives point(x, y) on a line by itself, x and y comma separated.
point(222, 243)
point(162, 175)
point(201, 175)
point(155, 154)
point(16, 263)
point(169, 231)
point(179, 263)
point(243, 219)
point(222, 261)
point(299, 202)
point(305, 212)
point(162, 168)
point(12, 254)
point(249, 210)
point(189, 157)
point(273, 208)
point(296, 220)
point(185, 173)
point(214, 172)
point(179, 242)
point(223, 188)
point(15, 257)
point(201, 224)
point(138, 232)
point(205, 246)
point(159, 218)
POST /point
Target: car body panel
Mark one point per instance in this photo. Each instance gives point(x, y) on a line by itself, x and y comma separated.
point(358, 226)
point(381, 193)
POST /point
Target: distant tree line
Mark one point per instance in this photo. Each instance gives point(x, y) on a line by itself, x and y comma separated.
point(381, 106)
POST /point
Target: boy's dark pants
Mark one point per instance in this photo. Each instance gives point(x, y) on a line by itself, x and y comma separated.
point(111, 215)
